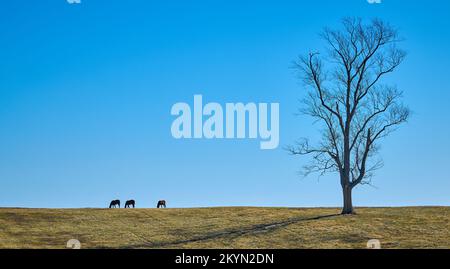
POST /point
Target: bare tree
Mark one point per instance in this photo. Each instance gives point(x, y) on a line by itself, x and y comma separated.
point(347, 96)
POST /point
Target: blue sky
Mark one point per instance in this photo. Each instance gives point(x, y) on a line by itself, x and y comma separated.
point(86, 91)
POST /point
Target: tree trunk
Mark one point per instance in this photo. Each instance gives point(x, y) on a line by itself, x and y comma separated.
point(348, 205)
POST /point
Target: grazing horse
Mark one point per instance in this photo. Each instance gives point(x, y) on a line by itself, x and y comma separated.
point(161, 203)
point(130, 203)
point(114, 203)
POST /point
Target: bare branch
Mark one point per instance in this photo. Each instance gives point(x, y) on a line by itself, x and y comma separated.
point(348, 99)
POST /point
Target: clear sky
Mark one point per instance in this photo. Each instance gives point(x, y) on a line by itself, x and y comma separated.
point(86, 91)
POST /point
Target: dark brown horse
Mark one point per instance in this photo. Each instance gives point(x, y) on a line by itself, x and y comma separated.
point(130, 203)
point(161, 203)
point(114, 203)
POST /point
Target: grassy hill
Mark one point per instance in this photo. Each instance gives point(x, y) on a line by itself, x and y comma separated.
point(426, 227)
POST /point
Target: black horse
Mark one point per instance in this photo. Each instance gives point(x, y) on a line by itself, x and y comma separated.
point(161, 203)
point(130, 203)
point(114, 203)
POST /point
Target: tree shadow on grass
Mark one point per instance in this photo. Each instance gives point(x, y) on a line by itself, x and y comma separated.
point(255, 229)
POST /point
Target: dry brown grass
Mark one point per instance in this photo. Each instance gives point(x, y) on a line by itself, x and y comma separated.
point(425, 227)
